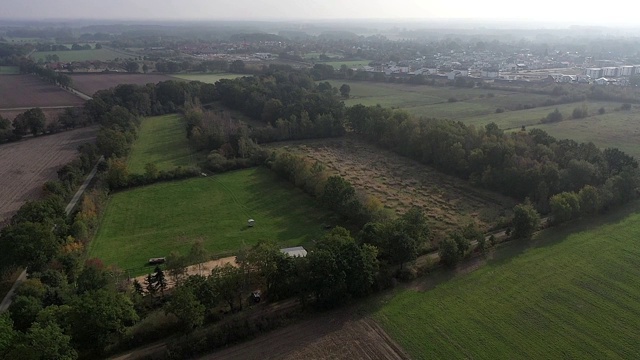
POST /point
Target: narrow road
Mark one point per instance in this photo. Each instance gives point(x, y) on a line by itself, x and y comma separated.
point(6, 302)
point(41, 107)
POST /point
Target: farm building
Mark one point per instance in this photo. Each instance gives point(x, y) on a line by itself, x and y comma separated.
point(297, 251)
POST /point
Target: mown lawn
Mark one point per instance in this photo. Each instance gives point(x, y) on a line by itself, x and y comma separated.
point(206, 78)
point(163, 142)
point(571, 293)
point(154, 220)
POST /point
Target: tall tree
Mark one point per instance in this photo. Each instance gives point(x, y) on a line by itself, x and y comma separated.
point(186, 307)
point(525, 221)
point(100, 318)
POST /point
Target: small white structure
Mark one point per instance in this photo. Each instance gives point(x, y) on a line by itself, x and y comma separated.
point(251, 222)
point(297, 251)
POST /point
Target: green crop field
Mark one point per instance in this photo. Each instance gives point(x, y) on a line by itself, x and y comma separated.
point(163, 142)
point(206, 78)
point(154, 220)
point(571, 293)
point(9, 70)
point(80, 55)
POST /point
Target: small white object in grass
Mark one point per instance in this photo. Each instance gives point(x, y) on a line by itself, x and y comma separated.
point(203, 174)
point(251, 222)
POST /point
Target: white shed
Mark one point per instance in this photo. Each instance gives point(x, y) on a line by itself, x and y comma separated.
point(297, 251)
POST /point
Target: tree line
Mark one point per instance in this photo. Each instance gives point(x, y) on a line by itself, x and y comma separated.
point(521, 164)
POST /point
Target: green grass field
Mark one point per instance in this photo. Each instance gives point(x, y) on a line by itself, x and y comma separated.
point(206, 78)
point(350, 63)
point(433, 101)
point(516, 119)
point(613, 129)
point(80, 55)
point(154, 220)
point(163, 142)
point(9, 70)
point(571, 293)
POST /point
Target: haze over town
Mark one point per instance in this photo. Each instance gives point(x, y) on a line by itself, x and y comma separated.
point(545, 12)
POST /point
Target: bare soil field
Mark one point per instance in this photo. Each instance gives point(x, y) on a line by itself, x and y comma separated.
point(27, 164)
point(27, 91)
point(400, 183)
point(334, 335)
point(50, 114)
point(90, 83)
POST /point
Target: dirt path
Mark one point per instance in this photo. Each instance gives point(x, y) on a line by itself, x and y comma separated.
point(202, 269)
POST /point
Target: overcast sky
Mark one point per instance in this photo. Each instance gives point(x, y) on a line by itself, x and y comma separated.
point(560, 11)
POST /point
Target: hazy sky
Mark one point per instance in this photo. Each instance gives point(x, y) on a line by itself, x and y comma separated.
point(562, 11)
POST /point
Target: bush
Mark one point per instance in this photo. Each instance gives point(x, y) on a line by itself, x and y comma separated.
point(601, 111)
point(626, 106)
point(499, 110)
point(452, 100)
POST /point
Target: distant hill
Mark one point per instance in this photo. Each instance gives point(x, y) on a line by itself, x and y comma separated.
point(294, 34)
point(338, 35)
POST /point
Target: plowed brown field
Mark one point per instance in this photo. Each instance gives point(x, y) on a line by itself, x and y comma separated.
point(28, 91)
point(27, 164)
point(90, 83)
point(335, 335)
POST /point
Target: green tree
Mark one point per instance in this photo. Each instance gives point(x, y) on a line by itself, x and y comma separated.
point(150, 171)
point(30, 244)
point(99, 318)
point(24, 310)
point(159, 281)
point(44, 342)
point(117, 173)
point(525, 221)
point(449, 253)
point(227, 281)
point(564, 206)
point(145, 68)
point(198, 254)
point(176, 265)
point(132, 66)
point(237, 67)
point(589, 200)
point(186, 307)
point(32, 120)
point(345, 90)
point(7, 335)
point(262, 263)
point(92, 277)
